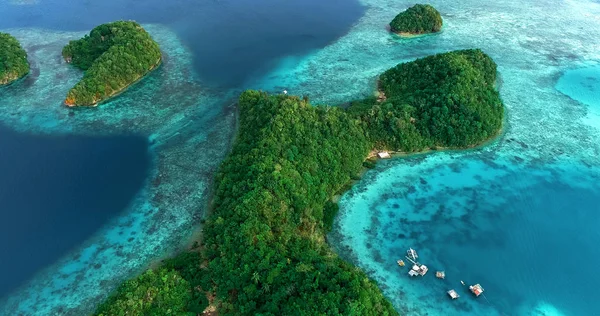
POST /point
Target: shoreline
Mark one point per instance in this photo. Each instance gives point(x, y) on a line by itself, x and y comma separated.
point(117, 93)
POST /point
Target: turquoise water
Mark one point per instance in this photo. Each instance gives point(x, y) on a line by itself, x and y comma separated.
point(522, 230)
point(184, 114)
point(519, 216)
point(187, 130)
point(501, 216)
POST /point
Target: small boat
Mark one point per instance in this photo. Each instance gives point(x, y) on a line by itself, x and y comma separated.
point(462, 282)
point(412, 254)
point(453, 294)
point(400, 263)
point(476, 289)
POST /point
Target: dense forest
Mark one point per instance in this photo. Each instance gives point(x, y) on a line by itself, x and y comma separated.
point(418, 19)
point(113, 56)
point(440, 101)
point(264, 249)
point(13, 59)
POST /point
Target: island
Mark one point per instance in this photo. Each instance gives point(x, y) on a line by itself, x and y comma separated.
point(114, 56)
point(13, 60)
point(418, 19)
point(264, 249)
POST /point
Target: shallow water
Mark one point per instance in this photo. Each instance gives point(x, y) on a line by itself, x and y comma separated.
point(489, 215)
point(183, 112)
point(518, 216)
point(231, 41)
point(57, 191)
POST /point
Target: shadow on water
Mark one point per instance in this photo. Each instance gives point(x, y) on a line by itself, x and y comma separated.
point(232, 41)
point(57, 191)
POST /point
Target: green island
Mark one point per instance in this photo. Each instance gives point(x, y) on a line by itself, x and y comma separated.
point(113, 56)
point(13, 59)
point(264, 248)
point(418, 19)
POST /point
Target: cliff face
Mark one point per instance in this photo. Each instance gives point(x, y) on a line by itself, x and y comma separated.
point(13, 59)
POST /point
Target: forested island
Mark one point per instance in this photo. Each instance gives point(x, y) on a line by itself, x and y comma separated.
point(13, 59)
point(113, 56)
point(264, 249)
point(418, 19)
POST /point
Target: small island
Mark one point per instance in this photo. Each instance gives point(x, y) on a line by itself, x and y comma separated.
point(114, 56)
point(416, 20)
point(264, 248)
point(13, 59)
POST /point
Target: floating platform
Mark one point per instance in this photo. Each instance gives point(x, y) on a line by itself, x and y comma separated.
point(476, 289)
point(440, 274)
point(453, 294)
point(418, 269)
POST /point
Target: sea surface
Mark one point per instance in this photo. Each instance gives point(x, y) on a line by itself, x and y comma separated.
point(90, 197)
point(57, 191)
point(519, 215)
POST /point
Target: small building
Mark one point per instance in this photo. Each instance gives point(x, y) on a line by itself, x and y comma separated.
point(476, 289)
point(440, 274)
point(453, 294)
point(418, 269)
point(383, 155)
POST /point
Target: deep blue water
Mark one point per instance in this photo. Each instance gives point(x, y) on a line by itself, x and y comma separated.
point(232, 41)
point(57, 191)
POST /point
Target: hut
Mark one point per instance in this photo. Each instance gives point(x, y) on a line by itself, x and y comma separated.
point(476, 289)
point(453, 294)
point(383, 154)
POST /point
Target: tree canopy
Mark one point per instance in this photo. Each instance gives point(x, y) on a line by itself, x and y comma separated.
point(113, 56)
point(13, 59)
point(264, 240)
point(444, 100)
point(418, 19)
point(154, 293)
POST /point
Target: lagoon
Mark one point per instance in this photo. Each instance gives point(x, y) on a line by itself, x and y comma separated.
point(501, 215)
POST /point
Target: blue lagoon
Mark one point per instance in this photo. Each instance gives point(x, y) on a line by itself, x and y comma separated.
point(517, 215)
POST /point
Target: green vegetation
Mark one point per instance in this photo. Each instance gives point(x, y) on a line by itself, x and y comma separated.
point(153, 293)
point(264, 240)
point(418, 19)
point(113, 56)
point(446, 100)
point(13, 59)
point(174, 289)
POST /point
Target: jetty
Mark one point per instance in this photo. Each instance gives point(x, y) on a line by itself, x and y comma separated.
point(453, 294)
point(476, 289)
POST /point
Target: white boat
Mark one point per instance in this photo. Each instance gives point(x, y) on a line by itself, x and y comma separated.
point(412, 254)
